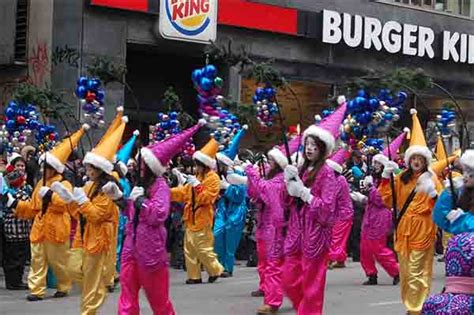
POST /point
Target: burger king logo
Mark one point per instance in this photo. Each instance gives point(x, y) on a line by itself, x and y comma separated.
point(189, 17)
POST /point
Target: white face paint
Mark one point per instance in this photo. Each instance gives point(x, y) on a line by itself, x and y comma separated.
point(311, 150)
point(417, 163)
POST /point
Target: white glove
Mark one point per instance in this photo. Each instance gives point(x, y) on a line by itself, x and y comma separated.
point(425, 184)
point(79, 196)
point(389, 169)
point(296, 188)
point(11, 200)
point(358, 197)
point(137, 191)
point(368, 181)
point(62, 192)
point(454, 214)
point(224, 184)
point(112, 191)
point(43, 191)
point(193, 181)
point(246, 164)
point(291, 172)
point(236, 179)
point(179, 175)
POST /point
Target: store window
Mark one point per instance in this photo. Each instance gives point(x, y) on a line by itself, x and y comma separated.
point(459, 7)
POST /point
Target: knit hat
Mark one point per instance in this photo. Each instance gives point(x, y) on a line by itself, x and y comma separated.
point(228, 155)
point(417, 141)
point(394, 146)
point(328, 130)
point(278, 153)
point(338, 159)
point(58, 156)
point(124, 154)
point(158, 155)
point(103, 155)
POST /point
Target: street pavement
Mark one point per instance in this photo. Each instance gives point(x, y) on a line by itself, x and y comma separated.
point(344, 295)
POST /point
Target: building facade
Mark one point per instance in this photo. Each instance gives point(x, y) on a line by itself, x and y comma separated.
point(317, 45)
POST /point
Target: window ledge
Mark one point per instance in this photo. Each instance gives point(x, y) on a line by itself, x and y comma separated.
point(407, 6)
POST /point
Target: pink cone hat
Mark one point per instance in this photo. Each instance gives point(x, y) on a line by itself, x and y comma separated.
point(328, 130)
point(158, 155)
point(278, 153)
point(396, 144)
point(338, 159)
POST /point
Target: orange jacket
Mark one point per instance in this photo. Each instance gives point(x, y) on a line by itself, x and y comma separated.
point(55, 225)
point(100, 214)
point(416, 230)
point(205, 195)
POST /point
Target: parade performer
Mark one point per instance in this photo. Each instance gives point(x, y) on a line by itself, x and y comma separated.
point(313, 214)
point(123, 155)
point(416, 190)
point(94, 207)
point(199, 195)
point(49, 235)
point(269, 195)
point(342, 228)
point(377, 223)
point(15, 231)
point(457, 218)
point(231, 207)
point(144, 258)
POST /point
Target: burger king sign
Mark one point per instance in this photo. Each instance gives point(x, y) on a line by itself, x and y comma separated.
point(189, 20)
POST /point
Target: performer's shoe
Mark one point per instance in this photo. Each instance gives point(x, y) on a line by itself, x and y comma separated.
point(441, 259)
point(33, 298)
point(338, 265)
point(213, 279)
point(193, 281)
point(18, 287)
point(267, 309)
point(226, 274)
point(371, 281)
point(111, 288)
point(257, 293)
point(396, 280)
point(59, 294)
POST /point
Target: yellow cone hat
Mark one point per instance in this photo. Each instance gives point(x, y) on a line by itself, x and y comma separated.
point(58, 156)
point(439, 166)
point(440, 152)
point(114, 124)
point(417, 141)
point(207, 154)
point(103, 155)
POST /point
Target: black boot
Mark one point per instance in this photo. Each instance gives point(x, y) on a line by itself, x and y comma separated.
point(396, 280)
point(193, 281)
point(226, 274)
point(213, 279)
point(33, 298)
point(371, 281)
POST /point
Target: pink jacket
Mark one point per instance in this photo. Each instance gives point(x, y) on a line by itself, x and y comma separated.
point(377, 221)
point(270, 195)
point(310, 228)
point(344, 201)
point(149, 246)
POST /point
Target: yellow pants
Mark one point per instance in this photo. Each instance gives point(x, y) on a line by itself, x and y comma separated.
point(48, 254)
point(446, 237)
point(111, 260)
point(87, 271)
point(416, 272)
point(199, 249)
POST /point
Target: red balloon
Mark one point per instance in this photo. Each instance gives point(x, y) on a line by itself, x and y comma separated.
point(52, 136)
point(90, 97)
point(21, 120)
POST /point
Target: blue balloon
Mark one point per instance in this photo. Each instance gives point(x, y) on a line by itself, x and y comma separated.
point(388, 116)
point(33, 124)
point(93, 84)
point(269, 92)
point(260, 93)
point(210, 71)
point(173, 115)
point(361, 93)
point(255, 99)
point(11, 124)
point(82, 81)
point(13, 104)
point(10, 113)
point(206, 84)
point(100, 95)
point(196, 76)
point(81, 92)
point(374, 104)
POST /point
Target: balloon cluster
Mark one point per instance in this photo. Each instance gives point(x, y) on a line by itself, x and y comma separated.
point(91, 96)
point(46, 137)
point(21, 125)
point(189, 149)
point(373, 145)
point(208, 85)
point(167, 125)
point(264, 99)
point(446, 121)
point(370, 116)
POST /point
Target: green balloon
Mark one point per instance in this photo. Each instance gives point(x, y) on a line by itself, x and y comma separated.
point(218, 81)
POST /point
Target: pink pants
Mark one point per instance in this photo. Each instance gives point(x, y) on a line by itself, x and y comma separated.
point(155, 284)
point(340, 235)
point(269, 271)
point(377, 250)
point(304, 281)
